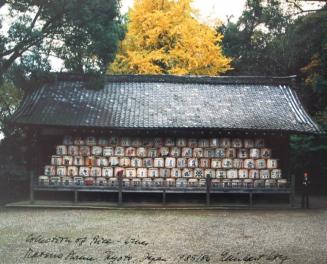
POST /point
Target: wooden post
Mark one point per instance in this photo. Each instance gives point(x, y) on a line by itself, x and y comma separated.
point(164, 192)
point(208, 185)
point(292, 193)
point(32, 187)
point(120, 188)
point(250, 199)
point(75, 196)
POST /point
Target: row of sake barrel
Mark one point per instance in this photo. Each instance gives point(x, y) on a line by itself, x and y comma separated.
point(188, 152)
point(160, 182)
point(223, 142)
point(161, 172)
point(97, 162)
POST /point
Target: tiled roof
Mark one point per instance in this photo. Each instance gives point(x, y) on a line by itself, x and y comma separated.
point(134, 101)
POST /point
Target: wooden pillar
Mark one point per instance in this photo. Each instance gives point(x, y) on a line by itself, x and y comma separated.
point(120, 189)
point(75, 196)
point(292, 193)
point(164, 191)
point(32, 187)
point(250, 199)
point(208, 189)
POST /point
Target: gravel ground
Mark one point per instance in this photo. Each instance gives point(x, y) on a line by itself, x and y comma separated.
point(163, 236)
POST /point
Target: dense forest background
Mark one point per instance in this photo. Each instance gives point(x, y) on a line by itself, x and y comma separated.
point(272, 37)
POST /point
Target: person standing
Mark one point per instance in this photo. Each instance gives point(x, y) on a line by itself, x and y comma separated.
point(305, 191)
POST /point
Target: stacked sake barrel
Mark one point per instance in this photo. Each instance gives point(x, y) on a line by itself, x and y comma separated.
point(170, 162)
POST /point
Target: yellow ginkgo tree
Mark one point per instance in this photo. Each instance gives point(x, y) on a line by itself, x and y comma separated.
point(164, 37)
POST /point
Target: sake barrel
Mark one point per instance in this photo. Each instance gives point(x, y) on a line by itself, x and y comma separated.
point(237, 143)
point(79, 141)
point(220, 153)
point(216, 163)
point(181, 183)
point(210, 172)
point(126, 182)
point(238, 163)
point(96, 150)
point(227, 183)
point(136, 162)
point(198, 173)
point(272, 163)
point(231, 153)
point(153, 172)
point(103, 141)
point(203, 143)
point(78, 161)
point(141, 152)
point(158, 142)
point(192, 163)
point(270, 183)
point(90, 161)
point(119, 151)
point(61, 170)
point(198, 152)
point(175, 152)
point(91, 141)
point(72, 171)
point(136, 142)
point(204, 163)
point(248, 183)
point(130, 172)
point(265, 153)
point(112, 182)
point(192, 142)
point(209, 153)
point(164, 172)
point(187, 152)
point(54, 180)
point(56, 160)
point(259, 143)
point(147, 142)
point(152, 153)
point(125, 141)
point(136, 182)
point(107, 172)
point(260, 164)
point(243, 173)
point(181, 142)
point(124, 162)
point(187, 173)
point(169, 142)
point(225, 142)
point(214, 142)
point(192, 182)
point(170, 182)
point(108, 151)
point(146, 182)
point(236, 183)
point(61, 150)
point(68, 140)
point(78, 181)
point(142, 173)
point(264, 174)
point(159, 162)
point(67, 181)
point(181, 162)
point(113, 141)
point(84, 151)
point(170, 162)
point(158, 182)
point(164, 151)
point(259, 183)
point(147, 162)
point(50, 170)
point(130, 151)
point(242, 153)
point(84, 171)
point(43, 180)
point(113, 161)
point(95, 172)
point(254, 174)
point(89, 181)
point(175, 173)
point(102, 162)
point(248, 143)
point(216, 183)
point(67, 160)
point(276, 174)
point(254, 153)
point(227, 163)
point(101, 181)
point(118, 171)
point(220, 174)
point(202, 182)
point(282, 183)
point(249, 164)
point(232, 174)
point(73, 150)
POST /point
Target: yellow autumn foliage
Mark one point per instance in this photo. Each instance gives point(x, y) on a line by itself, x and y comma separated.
point(164, 37)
